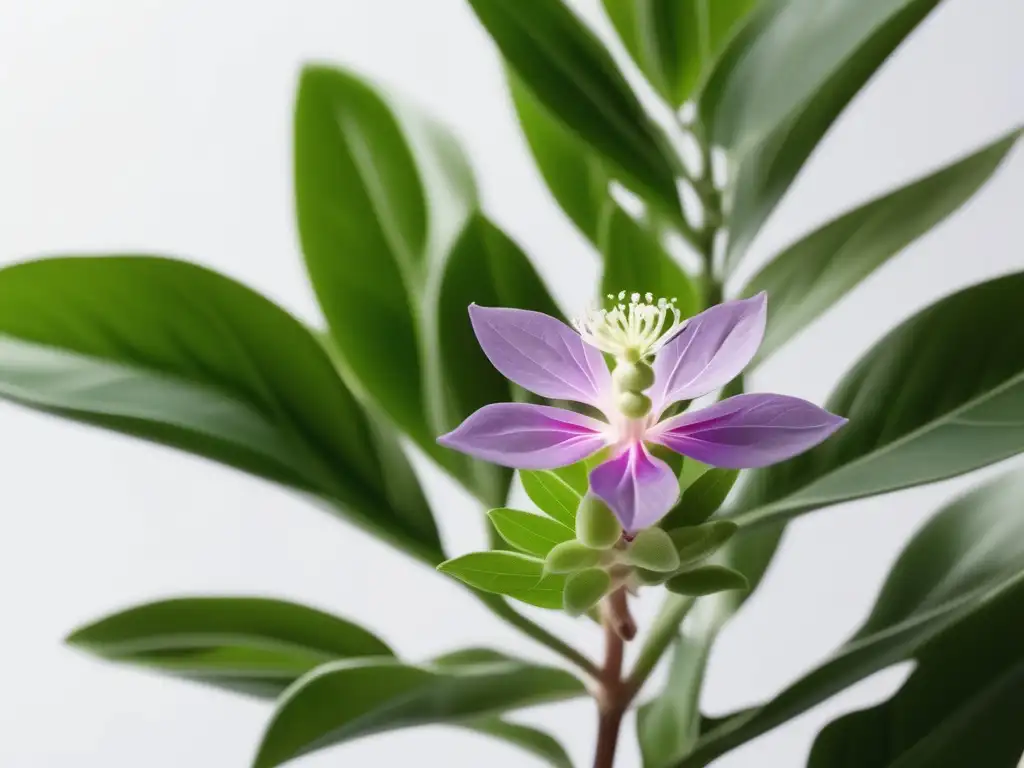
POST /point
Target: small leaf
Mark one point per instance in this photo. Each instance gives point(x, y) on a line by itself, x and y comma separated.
point(570, 556)
point(694, 544)
point(528, 532)
point(653, 550)
point(702, 499)
point(583, 590)
point(508, 573)
point(596, 524)
point(707, 580)
point(557, 492)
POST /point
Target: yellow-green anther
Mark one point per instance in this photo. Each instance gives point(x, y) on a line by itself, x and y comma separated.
point(633, 377)
point(634, 405)
point(596, 524)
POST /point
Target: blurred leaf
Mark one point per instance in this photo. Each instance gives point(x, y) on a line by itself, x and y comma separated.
point(706, 580)
point(251, 645)
point(508, 573)
point(347, 700)
point(963, 560)
point(532, 740)
point(179, 355)
point(530, 533)
point(557, 492)
point(567, 69)
point(675, 42)
point(780, 85)
point(702, 499)
point(573, 173)
point(941, 395)
point(809, 277)
point(635, 261)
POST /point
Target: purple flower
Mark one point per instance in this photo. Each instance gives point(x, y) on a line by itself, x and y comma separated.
point(691, 359)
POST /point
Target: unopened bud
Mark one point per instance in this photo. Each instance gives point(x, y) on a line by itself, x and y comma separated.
point(634, 405)
point(596, 524)
point(633, 377)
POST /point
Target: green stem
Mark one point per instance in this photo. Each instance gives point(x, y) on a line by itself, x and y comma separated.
point(663, 630)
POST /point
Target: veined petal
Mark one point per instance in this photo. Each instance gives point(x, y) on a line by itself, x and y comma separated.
point(747, 431)
point(712, 349)
point(524, 436)
point(639, 488)
point(542, 354)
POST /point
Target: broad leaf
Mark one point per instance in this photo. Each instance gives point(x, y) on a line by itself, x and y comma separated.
point(557, 492)
point(180, 355)
point(967, 557)
point(530, 533)
point(567, 69)
point(634, 260)
point(781, 84)
point(809, 277)
point(508, 573)
point(573, 172)
point(247, 644)
point(675, 42)
point(346, 700)
point(941, 395)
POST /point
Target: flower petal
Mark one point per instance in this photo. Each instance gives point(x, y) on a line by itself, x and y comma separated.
point(747, 430)
point(639, 488)
point(526, 436)
point(712, 349)
point(541, 354)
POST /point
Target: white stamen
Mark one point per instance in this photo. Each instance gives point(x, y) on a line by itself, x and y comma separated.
point(636, 330)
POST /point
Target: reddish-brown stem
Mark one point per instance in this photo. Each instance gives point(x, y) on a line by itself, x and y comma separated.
point(614, 694)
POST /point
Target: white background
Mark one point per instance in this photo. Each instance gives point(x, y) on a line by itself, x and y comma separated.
point(161, 126)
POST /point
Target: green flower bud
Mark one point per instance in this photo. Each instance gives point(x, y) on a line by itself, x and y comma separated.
point(584, 590)
point(633, 377)
point(571, 556)
point(654, 550)
point(634, 405)
point(596, 524)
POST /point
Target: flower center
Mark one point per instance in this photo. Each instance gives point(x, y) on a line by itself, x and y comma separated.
point(631, 331)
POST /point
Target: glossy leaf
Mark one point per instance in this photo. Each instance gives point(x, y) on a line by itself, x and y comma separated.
point(780, 85)
point(527, 532)
point(964, 559)
point(251, 645)
point(508, 573)
point(570, 168)
point(807, 278)
point(347, 700)
point(706, 580)
point(634, 260)
point(179, 355)
point(941, 395)
point(557, 492)
point(675, 42)
point(567, 69)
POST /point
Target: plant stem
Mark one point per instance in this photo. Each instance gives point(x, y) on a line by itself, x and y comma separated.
point(614, 694)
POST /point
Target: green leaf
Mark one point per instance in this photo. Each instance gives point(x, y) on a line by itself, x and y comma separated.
point(584, 590)
point(508, 573)
point(252, 645)
point(557, 492)
point(635, 261)
point(596, 524)
point(706, 580)
point(675, 42)
point(941, 395)
point(347, 700)
point(531, 740)
point(528, 532)
point(179, 355)
point(702, 499)
point(573, 172)
point(694, 544)
point(569, 72)
point(570, 556)
point(780, 85)
point(964, 560)
point(654, 550)
point(809, 277)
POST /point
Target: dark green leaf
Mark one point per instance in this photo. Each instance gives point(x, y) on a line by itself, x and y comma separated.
point(809, 277)
point(343, 701)
point(706, 580)
point(675, 42)
point(941, 395)
point(531, 740)
point(557, 492)
point(780, 85)
point(635, 261)
point(696, 543)
point(566, 68)
point(253, 645)
point(180, 355)
point(572, 171)
point(508, 573)
point(702, 499)
point(530, 533)
point(963, 560)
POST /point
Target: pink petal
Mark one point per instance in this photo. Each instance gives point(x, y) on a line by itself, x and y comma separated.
point(639, 488)
point(541, 354)
point(526, 436)
point(747, 430)
point(712, 350)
